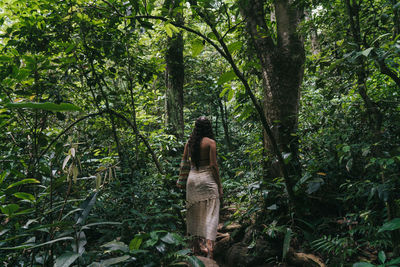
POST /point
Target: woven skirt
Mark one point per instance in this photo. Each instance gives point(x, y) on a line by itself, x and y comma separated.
point(202, 203)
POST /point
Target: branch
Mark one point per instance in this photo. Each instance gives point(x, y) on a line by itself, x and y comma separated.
point(63, 132)
point(208, 40)
point(100, 113)
point(387, 71)
point(133, 126)
point(232, 28)
point(113, 7)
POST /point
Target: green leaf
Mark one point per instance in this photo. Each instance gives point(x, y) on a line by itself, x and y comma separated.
point(66, 259)
point(25, 181)
point(194, 261)
point(394, 261)
point(286, 242)
point(197, 47)
point(346, 148)
point(286, 157)
point(5, 59)
point(183, 252)
point(382, 256)
point(230, 95)
point(25, 196)
point(79, 243)
point(171, 238)
point(234, 46)
point(391, 225)
point(115, 246)
point(226, 77)
point(45, 106)
point(2, 177)
point(367, 51)
point(173, 28)
point(363, 264)
point(135, 243)
point(53, 241)
point(70, 48)
point(87, 226)
point(112, 261)
point(39, 245)
point(9, 209)
point(168, 29)
point(223, 92)
point(87, 205)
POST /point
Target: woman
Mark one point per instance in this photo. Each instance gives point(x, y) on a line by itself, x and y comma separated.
point(203, 187)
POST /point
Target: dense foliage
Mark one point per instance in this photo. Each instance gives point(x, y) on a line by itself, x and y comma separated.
point(88, 170)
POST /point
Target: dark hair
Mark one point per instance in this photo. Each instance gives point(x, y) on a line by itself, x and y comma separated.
point(202, 128)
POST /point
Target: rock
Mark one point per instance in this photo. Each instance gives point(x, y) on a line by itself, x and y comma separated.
point(302, 259)
point(208, 262)
point(231, 227)
point(222, 245)
point(237, 255)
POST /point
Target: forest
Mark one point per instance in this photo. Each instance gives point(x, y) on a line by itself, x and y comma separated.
point(98, 98)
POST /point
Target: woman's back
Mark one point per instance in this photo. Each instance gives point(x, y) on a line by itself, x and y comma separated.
point(205, 145)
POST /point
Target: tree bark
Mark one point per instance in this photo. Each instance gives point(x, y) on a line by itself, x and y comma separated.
point(282, 63)
point(174, 77)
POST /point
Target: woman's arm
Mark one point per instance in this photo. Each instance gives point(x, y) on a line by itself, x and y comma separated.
point(214, 165)
point(184, 158)
point(185, 151)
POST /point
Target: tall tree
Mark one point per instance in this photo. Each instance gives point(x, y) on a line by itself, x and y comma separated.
point(174, 73)
point(282, 57)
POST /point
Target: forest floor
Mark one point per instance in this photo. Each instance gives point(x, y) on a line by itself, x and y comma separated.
point(228, 253)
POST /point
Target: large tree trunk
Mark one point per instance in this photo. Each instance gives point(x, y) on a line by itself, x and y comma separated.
point(282, 63)
point(174, 78)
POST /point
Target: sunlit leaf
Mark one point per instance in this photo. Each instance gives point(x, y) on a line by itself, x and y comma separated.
point(135, 243)
point(226, 77)
point(235, 46)
point(25, 196)
point(223, 92)
point(168, 29)
point(197, 47)
point(25, 181)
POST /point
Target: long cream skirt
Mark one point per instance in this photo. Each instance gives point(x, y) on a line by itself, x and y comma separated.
point(202, 203)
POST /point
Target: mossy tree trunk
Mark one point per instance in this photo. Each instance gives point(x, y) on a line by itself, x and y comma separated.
point(174, 75)
point(282, 57)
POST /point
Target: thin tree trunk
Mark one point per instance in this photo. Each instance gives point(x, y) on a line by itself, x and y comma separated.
point(224, 123)
point(374, 113)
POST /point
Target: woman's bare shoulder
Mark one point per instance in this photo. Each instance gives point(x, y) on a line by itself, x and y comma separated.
point(208, 141)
